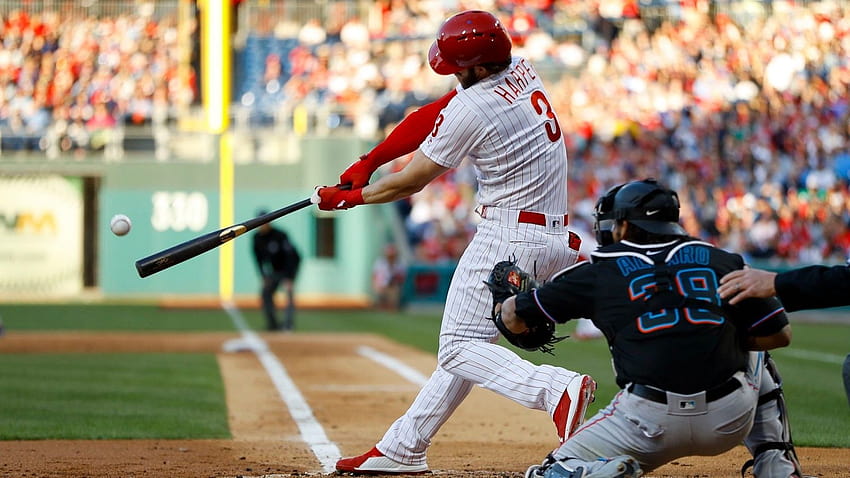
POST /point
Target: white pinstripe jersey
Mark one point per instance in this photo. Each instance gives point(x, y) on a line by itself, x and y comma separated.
point(507, 128)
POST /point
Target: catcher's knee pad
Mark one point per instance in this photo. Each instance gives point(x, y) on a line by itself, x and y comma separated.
point(770, 439)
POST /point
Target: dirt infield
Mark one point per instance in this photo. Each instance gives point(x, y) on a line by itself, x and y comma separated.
point(352, 397)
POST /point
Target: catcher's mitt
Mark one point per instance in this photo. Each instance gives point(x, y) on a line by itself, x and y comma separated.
point(508, 279)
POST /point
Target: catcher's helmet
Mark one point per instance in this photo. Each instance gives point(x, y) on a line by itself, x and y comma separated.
point(604, 215)
point(469, 38)
point(649, 206)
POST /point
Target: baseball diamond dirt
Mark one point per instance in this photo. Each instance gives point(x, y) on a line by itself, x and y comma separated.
point(489, 436)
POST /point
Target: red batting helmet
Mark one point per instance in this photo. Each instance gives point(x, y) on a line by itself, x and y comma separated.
point(469, 38)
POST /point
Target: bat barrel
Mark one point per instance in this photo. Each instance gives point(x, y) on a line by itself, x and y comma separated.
point(151, 264)
point(183, 251)
point(159, 261)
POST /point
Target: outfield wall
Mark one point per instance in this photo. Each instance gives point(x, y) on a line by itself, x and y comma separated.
point(171, 202)
point(55, 240)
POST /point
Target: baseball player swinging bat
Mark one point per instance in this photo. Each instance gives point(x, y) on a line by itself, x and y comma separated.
point(194, 247)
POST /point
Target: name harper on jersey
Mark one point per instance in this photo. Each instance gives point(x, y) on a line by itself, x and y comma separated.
point(516, 81)
point(697, 255)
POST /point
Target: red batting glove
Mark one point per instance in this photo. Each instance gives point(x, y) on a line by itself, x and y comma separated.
point(359, 172)
point(332, 198)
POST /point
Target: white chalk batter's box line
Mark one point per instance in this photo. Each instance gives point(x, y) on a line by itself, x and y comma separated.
point(311, 430)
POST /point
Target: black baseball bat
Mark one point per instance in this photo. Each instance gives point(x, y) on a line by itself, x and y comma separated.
point(194, 247)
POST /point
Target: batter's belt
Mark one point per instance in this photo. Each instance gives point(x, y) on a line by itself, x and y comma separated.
point(660, 396)
point(554, 223)
point(511, 217)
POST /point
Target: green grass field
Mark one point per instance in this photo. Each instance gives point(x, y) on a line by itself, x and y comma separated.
point(110, 396)
point(91, 396)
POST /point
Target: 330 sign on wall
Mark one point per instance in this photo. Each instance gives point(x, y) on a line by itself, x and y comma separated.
point(179, 210)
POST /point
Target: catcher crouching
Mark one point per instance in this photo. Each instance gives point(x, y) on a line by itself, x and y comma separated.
point(689, 383)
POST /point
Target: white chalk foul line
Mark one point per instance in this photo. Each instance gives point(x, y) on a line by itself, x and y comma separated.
point(393, 364)
point(311, 431)
point(809, 355)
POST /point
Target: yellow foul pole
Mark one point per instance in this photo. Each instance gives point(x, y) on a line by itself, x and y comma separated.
point(215, 80)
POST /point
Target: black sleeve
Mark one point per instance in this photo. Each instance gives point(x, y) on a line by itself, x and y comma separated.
point(813, 287)
point(568, 296)
point(759, 317)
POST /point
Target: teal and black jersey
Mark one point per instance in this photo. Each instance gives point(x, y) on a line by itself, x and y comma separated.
point(658, 306)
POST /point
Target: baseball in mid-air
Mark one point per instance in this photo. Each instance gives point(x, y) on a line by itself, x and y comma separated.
point(120, 224)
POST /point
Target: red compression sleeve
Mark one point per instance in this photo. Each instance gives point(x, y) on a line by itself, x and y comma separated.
point(409, 133)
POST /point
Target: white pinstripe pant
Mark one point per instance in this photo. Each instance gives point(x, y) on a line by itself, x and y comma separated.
point(467, 354)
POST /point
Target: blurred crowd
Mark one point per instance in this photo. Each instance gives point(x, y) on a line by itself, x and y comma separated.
point(749, 120)
point(68, 83)
point(747, 117)
point(750, 123)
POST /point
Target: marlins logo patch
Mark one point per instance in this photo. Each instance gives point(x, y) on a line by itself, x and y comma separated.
point(514, 279)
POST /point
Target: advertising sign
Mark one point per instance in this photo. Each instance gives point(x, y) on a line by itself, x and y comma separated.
point(41, 220)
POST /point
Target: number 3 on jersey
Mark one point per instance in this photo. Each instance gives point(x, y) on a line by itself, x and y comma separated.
point(541, 106)
point(695, 283)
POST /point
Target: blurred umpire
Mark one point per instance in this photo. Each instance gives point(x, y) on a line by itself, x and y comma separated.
point(277, 262)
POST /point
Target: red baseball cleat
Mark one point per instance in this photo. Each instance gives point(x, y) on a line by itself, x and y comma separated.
point(569, 415)
point(374, 462)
